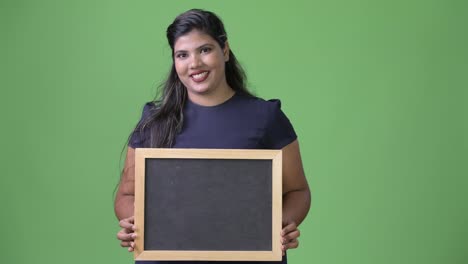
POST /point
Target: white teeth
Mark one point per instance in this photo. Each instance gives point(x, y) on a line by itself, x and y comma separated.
point(200, 75)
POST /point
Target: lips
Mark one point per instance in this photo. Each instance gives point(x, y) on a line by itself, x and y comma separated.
point(199, 76)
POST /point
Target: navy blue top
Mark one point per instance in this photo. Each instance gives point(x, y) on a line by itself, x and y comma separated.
point(241, 122)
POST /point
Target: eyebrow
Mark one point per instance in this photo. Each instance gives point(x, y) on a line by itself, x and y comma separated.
point(199, 47)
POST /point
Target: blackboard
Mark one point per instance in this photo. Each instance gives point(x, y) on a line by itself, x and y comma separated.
point(205, 204)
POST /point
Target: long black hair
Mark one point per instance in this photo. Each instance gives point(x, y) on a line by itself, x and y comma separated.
point(165, 120)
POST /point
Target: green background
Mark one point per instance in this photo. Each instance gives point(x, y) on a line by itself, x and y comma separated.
point(376, 90)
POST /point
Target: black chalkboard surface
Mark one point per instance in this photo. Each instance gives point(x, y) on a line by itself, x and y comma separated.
point(205, 204)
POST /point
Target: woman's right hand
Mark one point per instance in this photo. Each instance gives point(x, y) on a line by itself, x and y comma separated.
point(127, 234)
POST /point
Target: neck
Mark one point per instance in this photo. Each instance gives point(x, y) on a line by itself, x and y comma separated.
point(216, 97)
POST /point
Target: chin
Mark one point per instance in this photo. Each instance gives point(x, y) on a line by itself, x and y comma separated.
point(199, 90)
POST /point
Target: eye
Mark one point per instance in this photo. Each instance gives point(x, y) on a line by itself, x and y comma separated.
point(205, 50)
point(181, 55)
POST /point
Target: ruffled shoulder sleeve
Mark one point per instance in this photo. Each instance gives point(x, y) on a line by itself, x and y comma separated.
point(279, 131)
point(140, 135)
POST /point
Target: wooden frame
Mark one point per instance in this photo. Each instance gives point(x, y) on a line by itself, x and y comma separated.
point(141, 154)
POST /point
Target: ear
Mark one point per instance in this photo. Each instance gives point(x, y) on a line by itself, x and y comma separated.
point(226, 51)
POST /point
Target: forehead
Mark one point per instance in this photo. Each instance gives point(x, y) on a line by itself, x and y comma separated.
point(193, 40)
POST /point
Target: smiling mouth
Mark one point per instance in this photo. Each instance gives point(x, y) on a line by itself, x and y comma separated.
point(199, 77)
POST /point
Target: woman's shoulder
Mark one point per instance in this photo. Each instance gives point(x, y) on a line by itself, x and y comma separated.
point(149, 108)
point(255, 100)
point(258, 107)
point(278, 130)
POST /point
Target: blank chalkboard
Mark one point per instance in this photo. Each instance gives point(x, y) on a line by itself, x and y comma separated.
point(204, 204)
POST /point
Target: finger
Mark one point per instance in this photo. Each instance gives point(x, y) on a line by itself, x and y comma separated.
point(291, 236)
point(291, 227)
point(124, 236)
point(125, 244)
point(129, 220)
point(286, 222)
point(127, 223)
point(292, 244)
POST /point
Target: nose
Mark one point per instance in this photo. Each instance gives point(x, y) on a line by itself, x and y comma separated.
point(196, 62)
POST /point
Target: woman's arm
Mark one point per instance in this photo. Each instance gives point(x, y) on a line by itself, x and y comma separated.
point(296, 195)
point(124, 202)
point(125, 197)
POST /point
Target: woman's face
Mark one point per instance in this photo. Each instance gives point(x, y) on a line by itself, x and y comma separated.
point(199, 63)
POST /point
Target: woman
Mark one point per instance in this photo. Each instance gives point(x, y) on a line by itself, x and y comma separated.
point(205, 104)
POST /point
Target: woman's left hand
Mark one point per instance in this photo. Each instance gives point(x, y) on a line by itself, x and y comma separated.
point(289, 236)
